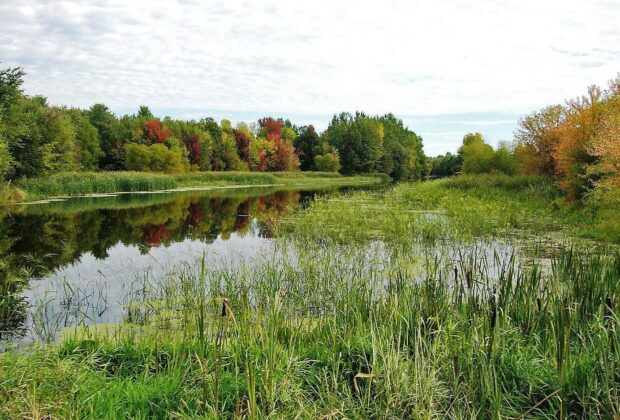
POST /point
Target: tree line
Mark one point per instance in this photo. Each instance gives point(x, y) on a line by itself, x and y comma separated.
point(37, 139)
point(577, 142)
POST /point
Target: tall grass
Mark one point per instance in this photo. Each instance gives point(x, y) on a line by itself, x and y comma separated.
point(307, 333)
point(463, 207)
point(239, 178)
point(80, 183)
point(83, 183)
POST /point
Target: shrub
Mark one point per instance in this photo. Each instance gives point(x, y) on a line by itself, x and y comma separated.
point(155, 158)
point(329, 162)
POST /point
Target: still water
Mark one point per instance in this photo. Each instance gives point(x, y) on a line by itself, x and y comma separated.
point(86, 252)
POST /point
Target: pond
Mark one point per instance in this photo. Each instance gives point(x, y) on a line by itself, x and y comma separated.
point(70, 262)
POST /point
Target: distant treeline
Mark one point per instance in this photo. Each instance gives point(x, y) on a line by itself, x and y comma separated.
point(578, 143)
point(37, 139)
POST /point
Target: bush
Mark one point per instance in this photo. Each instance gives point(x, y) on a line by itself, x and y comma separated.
point(329, 162)
point(155, 158)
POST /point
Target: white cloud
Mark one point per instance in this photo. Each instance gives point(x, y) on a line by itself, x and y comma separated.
point(318, 58)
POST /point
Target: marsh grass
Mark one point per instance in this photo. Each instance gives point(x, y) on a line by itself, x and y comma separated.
point(459, 208)
point(80, 183)
point(84, 183)
point(307, 332)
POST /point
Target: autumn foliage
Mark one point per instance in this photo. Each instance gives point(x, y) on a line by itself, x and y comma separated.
point(578, 142)
point(154, 132)
point(194, 148)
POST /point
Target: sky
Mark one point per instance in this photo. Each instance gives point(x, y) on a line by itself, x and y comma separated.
point(445, 67)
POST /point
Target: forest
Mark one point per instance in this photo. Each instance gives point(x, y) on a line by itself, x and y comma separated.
point(576, 143)
point(37, 139)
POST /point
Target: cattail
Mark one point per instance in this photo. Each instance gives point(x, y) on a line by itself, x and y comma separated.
point(225, 308)
point(493, 316)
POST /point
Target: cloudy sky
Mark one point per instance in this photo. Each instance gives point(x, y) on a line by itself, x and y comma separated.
point(444, 66)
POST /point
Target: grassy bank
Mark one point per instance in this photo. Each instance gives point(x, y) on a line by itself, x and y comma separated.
point(83, 183)
point(412, 302)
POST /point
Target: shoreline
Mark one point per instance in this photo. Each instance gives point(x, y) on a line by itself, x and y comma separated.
point(286, 180)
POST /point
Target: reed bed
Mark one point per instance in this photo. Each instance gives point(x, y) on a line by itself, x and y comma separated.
point(340, 331)
point(84, 183)
point(81, 183)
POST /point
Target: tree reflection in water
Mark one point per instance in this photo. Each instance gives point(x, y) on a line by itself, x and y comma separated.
point(36, 240)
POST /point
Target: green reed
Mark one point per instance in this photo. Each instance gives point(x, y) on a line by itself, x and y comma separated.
point(307, 332)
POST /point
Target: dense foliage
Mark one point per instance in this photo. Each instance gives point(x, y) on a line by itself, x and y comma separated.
point(37, 139)
point(376, 144)
point(577, 143)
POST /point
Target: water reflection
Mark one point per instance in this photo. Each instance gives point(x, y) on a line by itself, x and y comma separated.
point(82, 243)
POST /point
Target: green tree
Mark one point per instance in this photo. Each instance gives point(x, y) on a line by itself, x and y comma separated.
point(477, 156)
point(11, 80)
point(359, 141)
point(156, 158)
point(6, 160)
point(59, 151)
point(23, 133)
point(505, 160)
point(308, 145)
point(87, 140)
point(108, 127)
point(403, 157)
point(228, 149)
point(448, 165)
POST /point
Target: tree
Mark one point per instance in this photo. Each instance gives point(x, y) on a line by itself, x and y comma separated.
point(11, 80)
point(59, 150)
point(572, 152)
point(87, 140)
point(359, 141)
point(479, 157)
point(108, 127)
point(153, 131)
point(448, 165)
point(537, 138)
point(6, 160)
point(274, 152)
point(242, 139)
point(308, 145)
point(228, 149)
point(23, 133)
point(216, 155)
point(403, 157)
point(505, 160)
point(606, 147)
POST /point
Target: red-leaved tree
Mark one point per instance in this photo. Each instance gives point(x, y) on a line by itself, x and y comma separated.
point(194, 149)
point(243, 145)
point(154, 132)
